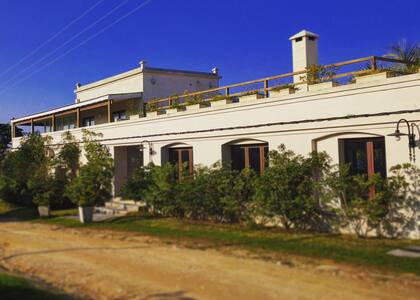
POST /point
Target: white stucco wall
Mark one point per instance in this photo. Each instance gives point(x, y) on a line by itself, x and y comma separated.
point(159, 84)
point(154, 84)
point(128, 82)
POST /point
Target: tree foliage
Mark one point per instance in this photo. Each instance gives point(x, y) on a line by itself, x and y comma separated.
point(93, 184)
point(5, 139)
point(299, 192)
point(288, 189)
point(410, 53)
point(24, 167)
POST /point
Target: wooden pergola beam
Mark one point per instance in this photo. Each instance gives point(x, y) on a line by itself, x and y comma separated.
point(78, 117)
point(109, 102)
point(93, 106)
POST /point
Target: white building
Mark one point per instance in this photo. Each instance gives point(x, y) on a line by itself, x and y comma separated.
point(349, 120)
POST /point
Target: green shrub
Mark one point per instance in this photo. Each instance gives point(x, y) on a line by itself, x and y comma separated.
point(93, 185)
point(299, 192)
point(288, 189)
point(137, 183)
point(160, 194)
point(68, 158)
point(363, 212)
point(23, 166)
point(213, 193)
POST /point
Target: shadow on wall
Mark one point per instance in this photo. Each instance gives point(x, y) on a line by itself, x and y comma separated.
point(404, 218)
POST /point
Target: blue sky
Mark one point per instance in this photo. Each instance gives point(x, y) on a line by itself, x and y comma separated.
point(246, 39)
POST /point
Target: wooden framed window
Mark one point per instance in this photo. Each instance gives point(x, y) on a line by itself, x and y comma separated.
point(253, 156)
point(183, 159)
point(365, 156)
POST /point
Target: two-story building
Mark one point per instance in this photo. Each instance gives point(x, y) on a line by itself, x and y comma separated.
point(345, 109)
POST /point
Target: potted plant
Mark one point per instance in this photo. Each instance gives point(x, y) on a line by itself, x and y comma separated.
point(250, 96)
point(175, 106)
point(43, 201)
point(42, 189)
point(93, 185)
point(220, 100)
point(133, 109)
point(152, 109)
point(284, 89)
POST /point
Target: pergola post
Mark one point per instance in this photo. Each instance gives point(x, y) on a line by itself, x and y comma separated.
point(52, 122)
point(78, 117)
point(109, 110)
point(13, 128)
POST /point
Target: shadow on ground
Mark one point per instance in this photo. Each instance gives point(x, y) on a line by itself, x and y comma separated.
point(18, 214)
point(178, 295)
point(16, 288)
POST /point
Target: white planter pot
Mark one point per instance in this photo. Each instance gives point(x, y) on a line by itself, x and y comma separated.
point(373, 77)
point(322, 86)
point(171, 111)
point(135, 117)
point(86, 214)
point(250, 98)
point(193, 107)
point(152, 114)
point(282, 92)
point(219, 103)
point(44, 211)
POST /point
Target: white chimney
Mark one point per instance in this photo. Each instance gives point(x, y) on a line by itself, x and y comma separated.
point(305, 51)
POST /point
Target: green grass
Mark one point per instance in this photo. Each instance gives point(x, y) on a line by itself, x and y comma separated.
point(340, 248)
point(16, 288)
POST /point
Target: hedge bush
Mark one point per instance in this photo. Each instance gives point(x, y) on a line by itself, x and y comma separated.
point(294, 191)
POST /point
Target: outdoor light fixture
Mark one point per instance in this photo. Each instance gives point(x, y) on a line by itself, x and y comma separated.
point(411, 137)
point(151, 152)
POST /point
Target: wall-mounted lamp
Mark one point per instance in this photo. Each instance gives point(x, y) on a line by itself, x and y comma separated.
point(151, 152)
point(411, 137)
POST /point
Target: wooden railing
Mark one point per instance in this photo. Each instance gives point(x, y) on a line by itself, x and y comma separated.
point(225, 91)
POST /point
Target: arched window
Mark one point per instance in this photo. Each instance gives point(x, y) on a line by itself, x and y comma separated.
point(243, 154)
point(363, 152)
point(180, 155)
point(364, 156)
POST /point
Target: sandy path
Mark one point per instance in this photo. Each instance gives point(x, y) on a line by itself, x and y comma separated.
point(111, 265)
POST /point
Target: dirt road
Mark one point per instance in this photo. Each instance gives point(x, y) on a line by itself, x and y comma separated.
point(111, 265)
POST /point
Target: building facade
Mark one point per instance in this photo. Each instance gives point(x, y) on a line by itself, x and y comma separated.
point(350, 120)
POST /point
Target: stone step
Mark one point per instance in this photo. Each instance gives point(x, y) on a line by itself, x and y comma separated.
point(110, 211)
point(125, 205)
point(129, 202)
point(122, 206)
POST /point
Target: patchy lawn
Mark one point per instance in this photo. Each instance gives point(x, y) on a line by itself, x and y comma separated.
point(16, 288)
point(340, 248)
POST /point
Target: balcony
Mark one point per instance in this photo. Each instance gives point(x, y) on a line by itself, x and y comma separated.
point(103, 110)
point(121, 107)
point(313, 79)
